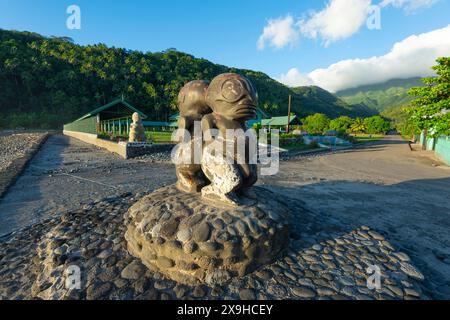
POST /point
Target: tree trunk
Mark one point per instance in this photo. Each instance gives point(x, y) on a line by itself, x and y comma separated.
point(424, 142)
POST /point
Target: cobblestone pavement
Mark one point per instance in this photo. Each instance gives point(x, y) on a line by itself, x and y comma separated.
point(325, 260)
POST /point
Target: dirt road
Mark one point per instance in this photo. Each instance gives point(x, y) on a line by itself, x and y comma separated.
point(403, 194)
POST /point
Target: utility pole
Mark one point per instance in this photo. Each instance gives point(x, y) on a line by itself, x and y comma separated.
point(289, 114)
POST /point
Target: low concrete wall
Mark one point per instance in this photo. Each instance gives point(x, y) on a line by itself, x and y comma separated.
point(442, 149)
point(123, 149)
point(119, 148)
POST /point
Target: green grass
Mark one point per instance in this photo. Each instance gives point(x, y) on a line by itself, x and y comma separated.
point(364, 137)
point(159, 136)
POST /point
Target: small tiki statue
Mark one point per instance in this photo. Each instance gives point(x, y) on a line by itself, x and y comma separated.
point(137, 131)
point(225, 159)
point(192, 107)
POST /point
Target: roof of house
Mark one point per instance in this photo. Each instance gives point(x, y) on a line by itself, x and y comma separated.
point(265, 122)
point(278, 121)
point(109, 105)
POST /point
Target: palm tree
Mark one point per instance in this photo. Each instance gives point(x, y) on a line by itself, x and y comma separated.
point(358, 126)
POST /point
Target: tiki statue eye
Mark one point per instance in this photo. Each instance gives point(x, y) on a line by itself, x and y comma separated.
point(232, 90)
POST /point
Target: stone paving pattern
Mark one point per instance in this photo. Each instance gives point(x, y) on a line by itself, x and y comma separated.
point(193, 241)
point(325, 260)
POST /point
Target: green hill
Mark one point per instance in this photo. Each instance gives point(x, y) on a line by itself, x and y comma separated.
point(46, 82)
point(314, 99)
point(381, 96)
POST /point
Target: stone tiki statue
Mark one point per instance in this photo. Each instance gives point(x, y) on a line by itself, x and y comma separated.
point(137, 131)
point(233, 101)
point(214, 229)
point(192, 107)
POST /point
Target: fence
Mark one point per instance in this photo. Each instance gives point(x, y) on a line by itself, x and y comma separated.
point(442, 148)
point(440, 145)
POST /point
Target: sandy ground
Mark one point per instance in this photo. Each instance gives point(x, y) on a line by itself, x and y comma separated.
point(402, 194)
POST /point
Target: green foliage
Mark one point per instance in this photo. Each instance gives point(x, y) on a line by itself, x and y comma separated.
point(358, 126)
point(433, 99)
point(376, 124)
point(257, 126)
point(383, 96)
point(51, 81)
point(399, 119)
point(159, 136)
point(341, 124)
point(316, 124)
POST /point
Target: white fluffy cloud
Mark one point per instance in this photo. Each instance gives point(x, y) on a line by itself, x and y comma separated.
point(408, 5)
point(340, 19)
point(279, 33)
point(411, 57)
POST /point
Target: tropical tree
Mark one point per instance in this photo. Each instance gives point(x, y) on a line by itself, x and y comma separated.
point(430, 112)
point(358, 126)
point(341, 124)
point(316, 123)
point(376, 124)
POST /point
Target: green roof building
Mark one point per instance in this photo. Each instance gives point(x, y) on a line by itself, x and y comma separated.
point(113, 117)
point(278, 122)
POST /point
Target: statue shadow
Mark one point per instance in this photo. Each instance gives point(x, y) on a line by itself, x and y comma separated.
point(413, 216)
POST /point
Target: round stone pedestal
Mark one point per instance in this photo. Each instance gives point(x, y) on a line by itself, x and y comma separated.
point(193, 241)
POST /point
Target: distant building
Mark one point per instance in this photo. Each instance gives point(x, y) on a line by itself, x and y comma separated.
point(280, 122)
point(113, 117)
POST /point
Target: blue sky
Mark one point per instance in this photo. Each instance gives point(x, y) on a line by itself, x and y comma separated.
point(227, 32)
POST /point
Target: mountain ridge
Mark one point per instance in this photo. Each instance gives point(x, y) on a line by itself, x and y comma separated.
point(381, 96)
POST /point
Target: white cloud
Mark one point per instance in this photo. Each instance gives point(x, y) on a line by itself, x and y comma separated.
point(411, 57)
point(409, 5)
point(339, 20)
point(279, 33)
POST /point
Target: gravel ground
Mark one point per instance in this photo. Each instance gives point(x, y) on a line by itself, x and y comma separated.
point(16, 145)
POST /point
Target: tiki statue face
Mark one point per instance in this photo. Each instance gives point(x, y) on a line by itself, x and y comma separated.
point(232, 96)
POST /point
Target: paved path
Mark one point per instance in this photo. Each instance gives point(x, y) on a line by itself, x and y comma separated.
point(67, 173)
point(387, 187)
